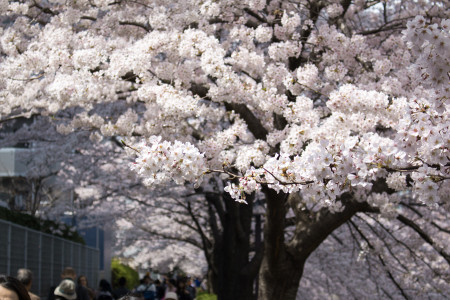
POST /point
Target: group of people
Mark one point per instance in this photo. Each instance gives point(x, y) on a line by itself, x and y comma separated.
point(17, 288)
point(73, 288)
point(169, 289)
point(70, 288)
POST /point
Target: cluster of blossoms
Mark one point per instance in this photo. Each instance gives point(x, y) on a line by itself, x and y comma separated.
point(347, 91)
point(307, 75)
point(289, 21)
point(263, 34)
point(160, 162)
point(279, 51)
point(210, 9)
point(334, 10)
point(430, 42)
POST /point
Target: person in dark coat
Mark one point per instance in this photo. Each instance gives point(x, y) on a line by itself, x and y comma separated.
point(182, 292)
point(104, 291)
point(121, 290)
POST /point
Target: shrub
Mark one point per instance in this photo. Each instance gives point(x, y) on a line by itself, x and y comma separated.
point(205, 296)
point(119, 269)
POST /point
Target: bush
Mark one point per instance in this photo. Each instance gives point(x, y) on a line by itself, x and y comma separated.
point(60, 230)
point(120, 270)
point(205, 296)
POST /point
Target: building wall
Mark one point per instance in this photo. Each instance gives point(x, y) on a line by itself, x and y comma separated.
point(13, 161)
point(100, 239)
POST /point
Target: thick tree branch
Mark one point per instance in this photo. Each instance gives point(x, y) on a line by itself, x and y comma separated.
point(274, 226)
point(24, 115)
point(43, 9)
point(253, 123)
point(217, 234)
point(314, 227)
point(255, 15)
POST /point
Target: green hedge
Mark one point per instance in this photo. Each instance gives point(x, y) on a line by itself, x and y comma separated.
point(205, 296)
point(45, 226)
point(120, 270)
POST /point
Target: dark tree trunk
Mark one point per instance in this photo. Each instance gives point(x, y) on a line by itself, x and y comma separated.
point(283, 262)
point(232, 272)
point(282, 281)
point(280, 272)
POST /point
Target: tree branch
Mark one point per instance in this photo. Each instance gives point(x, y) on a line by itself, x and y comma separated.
point(205, 241)
point(253, 123)
point(169, 237)
point(314, 227)
point(214, 199)
point(381, 260)
point(423, 235)
point(146, 27)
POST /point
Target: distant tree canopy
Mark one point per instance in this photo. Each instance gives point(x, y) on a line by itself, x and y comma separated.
point(47, 226)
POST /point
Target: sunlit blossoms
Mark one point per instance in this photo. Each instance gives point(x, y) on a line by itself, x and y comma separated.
point(159, 162)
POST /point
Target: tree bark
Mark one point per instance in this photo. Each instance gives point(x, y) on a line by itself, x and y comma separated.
point(280, 272)
point(233, 273)
point(280, 282)
point(283, 262)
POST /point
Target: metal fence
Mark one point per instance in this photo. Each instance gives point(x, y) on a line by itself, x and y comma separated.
point(45, 255)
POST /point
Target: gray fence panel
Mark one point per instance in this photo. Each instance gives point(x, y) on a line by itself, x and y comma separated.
point(57, 260)
point(17, 253)
point(68, 250)
point(33, 259)
point(76, 258)
point(83, 264)
point(46, 264)
point(45, 255)
point(4, 244)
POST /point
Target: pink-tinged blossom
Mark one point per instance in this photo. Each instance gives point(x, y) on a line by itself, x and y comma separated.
point(263, 34)
point(282, 50)
point(334, 10)
point(307, 75)
point(160, 162)
point(210, 9)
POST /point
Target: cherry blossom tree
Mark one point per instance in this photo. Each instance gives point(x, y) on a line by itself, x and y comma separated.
point(335, 111)
point(177, 226)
